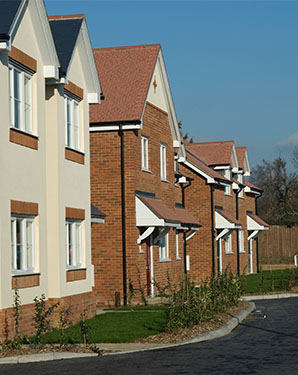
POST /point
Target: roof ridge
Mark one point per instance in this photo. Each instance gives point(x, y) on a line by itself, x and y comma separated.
point(66, 16)
point(212, 142)
point(127, 47)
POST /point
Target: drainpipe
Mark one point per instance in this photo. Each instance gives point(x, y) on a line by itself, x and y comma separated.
point(184, 232)
point(237, 232)
point(257, 240)
point(212, 228)
point(124, 275)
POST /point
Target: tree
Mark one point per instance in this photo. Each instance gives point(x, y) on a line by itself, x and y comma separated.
point(279, 203)
point(295, 157)
point(184, 136)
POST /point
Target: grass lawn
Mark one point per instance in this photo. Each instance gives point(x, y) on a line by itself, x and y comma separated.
point(138, 308)
point(279, 278)
point(114, 327)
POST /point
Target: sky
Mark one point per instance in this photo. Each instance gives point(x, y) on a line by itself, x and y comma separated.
point(232, 65)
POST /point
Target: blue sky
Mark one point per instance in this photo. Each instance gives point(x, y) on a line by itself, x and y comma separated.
point(232, 65)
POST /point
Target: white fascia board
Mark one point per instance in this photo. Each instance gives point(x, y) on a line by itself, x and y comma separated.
point(219, 167)
point(43, 17)
point(234, 159)
point(210, 180)
point(254, 225)
point(145, 217)
point(96, 88)
point(97, 220)
point(108, 128)
point(222, 223)
point(246, 165)
point(181, 159)
point(51, 72)
point(17, 17)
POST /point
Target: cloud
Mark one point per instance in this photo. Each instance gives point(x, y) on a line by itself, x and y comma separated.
point(292, 140)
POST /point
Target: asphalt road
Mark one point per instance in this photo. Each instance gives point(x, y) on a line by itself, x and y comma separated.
point(258, 346)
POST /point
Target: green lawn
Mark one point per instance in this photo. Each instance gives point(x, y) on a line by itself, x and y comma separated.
point(279, 278)
point(138, 308)
point(114, 327)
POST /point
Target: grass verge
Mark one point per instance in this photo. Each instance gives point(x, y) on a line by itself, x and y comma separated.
point(267, 281)
point(114, 327)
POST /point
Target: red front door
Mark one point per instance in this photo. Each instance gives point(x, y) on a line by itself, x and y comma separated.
point(148, 267)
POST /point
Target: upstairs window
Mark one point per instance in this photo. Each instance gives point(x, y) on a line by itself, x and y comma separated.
point(20, 99)
point(144, 150)
point(22, 244)
point(241, 241)
point(73, 236)
point(72, 123)
point(227, 174)
point(163, 162)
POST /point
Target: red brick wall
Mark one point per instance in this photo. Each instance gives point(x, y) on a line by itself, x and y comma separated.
point(78, 303)
point(106, 195)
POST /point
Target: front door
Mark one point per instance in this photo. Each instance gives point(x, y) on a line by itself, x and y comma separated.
point(250, 256)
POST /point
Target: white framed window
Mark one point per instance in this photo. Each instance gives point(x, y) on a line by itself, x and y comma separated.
point(73, 236)
point(227, 174)
point(164, 248)
point(144, 147)
point(241, 241)
point(22, 244)
point(240, 179)
point(228, 244)
point(72, 123)
point(20, 98)
point(163, 161)
point(177, 245)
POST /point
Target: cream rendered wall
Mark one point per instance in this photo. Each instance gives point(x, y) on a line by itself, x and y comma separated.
point(69, 185)
point(23, 175)
point(157, 98)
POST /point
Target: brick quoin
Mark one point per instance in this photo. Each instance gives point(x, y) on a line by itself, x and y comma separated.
point(106, 194)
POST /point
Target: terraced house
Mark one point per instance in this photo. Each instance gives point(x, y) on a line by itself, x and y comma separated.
point(48, 78)
point(225, 203)
point(135, 145)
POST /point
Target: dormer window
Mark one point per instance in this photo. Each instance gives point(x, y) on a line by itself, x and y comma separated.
point(72, 123)
point(20, 98)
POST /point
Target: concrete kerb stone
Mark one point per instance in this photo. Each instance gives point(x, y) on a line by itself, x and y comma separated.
point(268, 296)
point(223, 331)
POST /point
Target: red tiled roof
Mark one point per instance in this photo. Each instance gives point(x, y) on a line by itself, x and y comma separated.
point(125, 74)
point(258, 220)
point(213, 153)
point(66, 16)
point(240, 151)
point(186, 217)
point(228, 216)
point(184, 174)
point(160, 209)
point(204, 168)
point(252, 186)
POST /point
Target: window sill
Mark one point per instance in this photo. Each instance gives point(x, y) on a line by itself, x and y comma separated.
point(228, 195)
point(25, 280)
point(178, 258)
point(163, 180)
point(242, 252)
point(146, 170)
point(229, 253)
point(165, 260)
point(75, 274)
point(23, 138)
point(74, 155)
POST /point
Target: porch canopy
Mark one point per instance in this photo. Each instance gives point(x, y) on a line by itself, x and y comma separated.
point(254, 225)
point(225, 221)
point(152, 212)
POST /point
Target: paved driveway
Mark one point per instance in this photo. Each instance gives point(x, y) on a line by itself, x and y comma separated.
point(258, 346)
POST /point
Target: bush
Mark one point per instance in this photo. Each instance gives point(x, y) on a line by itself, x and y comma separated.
point(190, 305)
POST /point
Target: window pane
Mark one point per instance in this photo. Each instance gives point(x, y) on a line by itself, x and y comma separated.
point(76, 126)
point(27, 103)
point(12, 244)
point(19, 245)
point(17, 99)
point(29, 238)
point(68, 123)
point(78, 244)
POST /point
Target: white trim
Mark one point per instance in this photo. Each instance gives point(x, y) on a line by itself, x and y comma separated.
point(163, 161)
point(5, 46)
point(223, 233)
point(107, 128)
point(144, 152)
point(210, 180)
point(93, 98)
point(151, 266)
point(147, 233)
point(51, 72)
point(190, 235)
point(253, 235)
point(253, 224)
point(97, 220)
point(222, 223)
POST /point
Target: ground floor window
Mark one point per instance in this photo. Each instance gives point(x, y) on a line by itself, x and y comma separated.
point(228, 243)
point(22, 244)
point(164, 248)
point(241, 241)
point(73, 243)
point(177, 245)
